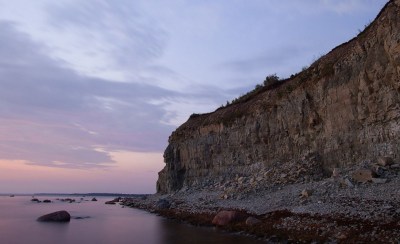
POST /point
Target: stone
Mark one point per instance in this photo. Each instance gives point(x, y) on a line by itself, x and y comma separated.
point(335, 173)
point(224, 217)
point(250, 221)
point(306, 193)
point(114, 201)
point(46, 201)
point(362, 175)
point(348, 183)
point(341, 236)
point(163, 204)
point(59, 216)
point(94, 199)
point(378, 170)
point(35, 200)
point(70, 200)
point(385, 161)
point(379, 180)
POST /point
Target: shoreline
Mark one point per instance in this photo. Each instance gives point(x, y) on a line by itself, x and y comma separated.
point(321, 211)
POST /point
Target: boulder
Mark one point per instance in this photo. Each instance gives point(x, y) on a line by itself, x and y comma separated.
point(59, 216)
point(35, 200)
point(225, 217)
point(114, 201)
point(94, 199)
point(163, 204)
point(362, 175)
point(47, 201)
point(70, 200)
point(252, 221)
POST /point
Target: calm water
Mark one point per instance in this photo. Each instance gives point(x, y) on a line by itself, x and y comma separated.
point(107, 224)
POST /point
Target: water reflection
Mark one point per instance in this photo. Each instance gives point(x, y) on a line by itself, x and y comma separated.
point(173, 232)
point(107, 224)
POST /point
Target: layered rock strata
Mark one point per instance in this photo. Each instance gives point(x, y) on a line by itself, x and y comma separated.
point(343, 110)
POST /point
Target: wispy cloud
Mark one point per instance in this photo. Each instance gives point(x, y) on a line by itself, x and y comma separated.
point(105, 39)
point(51, 114)
point(344, 6)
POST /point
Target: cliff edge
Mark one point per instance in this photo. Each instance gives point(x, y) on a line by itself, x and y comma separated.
point(342, 112)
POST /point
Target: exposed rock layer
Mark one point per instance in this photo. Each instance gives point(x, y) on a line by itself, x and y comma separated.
point(344, 109)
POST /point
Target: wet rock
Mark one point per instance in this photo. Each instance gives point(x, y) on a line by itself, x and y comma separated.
point(362, 175)
point(224, 217)
point(163, 204)
point(250, 221)
point(113, 201)
point(70, 200)
point(59, 216)
point(94, 199)
point(35, 200)
point(47, 201)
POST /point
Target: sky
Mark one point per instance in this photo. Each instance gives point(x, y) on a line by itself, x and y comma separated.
point(91, 90)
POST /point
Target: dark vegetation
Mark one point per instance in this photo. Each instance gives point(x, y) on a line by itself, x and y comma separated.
point(269, 82)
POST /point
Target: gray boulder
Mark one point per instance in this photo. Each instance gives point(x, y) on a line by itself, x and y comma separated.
point(59, 216)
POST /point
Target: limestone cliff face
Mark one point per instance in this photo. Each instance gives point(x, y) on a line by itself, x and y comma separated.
point(342, 110)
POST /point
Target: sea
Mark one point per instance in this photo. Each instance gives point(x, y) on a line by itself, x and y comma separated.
point(96, 222)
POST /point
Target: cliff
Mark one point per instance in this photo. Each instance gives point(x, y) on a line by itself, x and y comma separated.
point(340, 112)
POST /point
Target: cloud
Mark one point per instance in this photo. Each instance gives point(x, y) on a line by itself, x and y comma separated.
point(50, 115)
point(343, 6)
point(271, 60)
point(104, 39)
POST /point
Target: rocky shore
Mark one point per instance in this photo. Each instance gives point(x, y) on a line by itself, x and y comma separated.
point(343, 208)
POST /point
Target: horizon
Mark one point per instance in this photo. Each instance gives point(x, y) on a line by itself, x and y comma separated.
point(92, 91)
